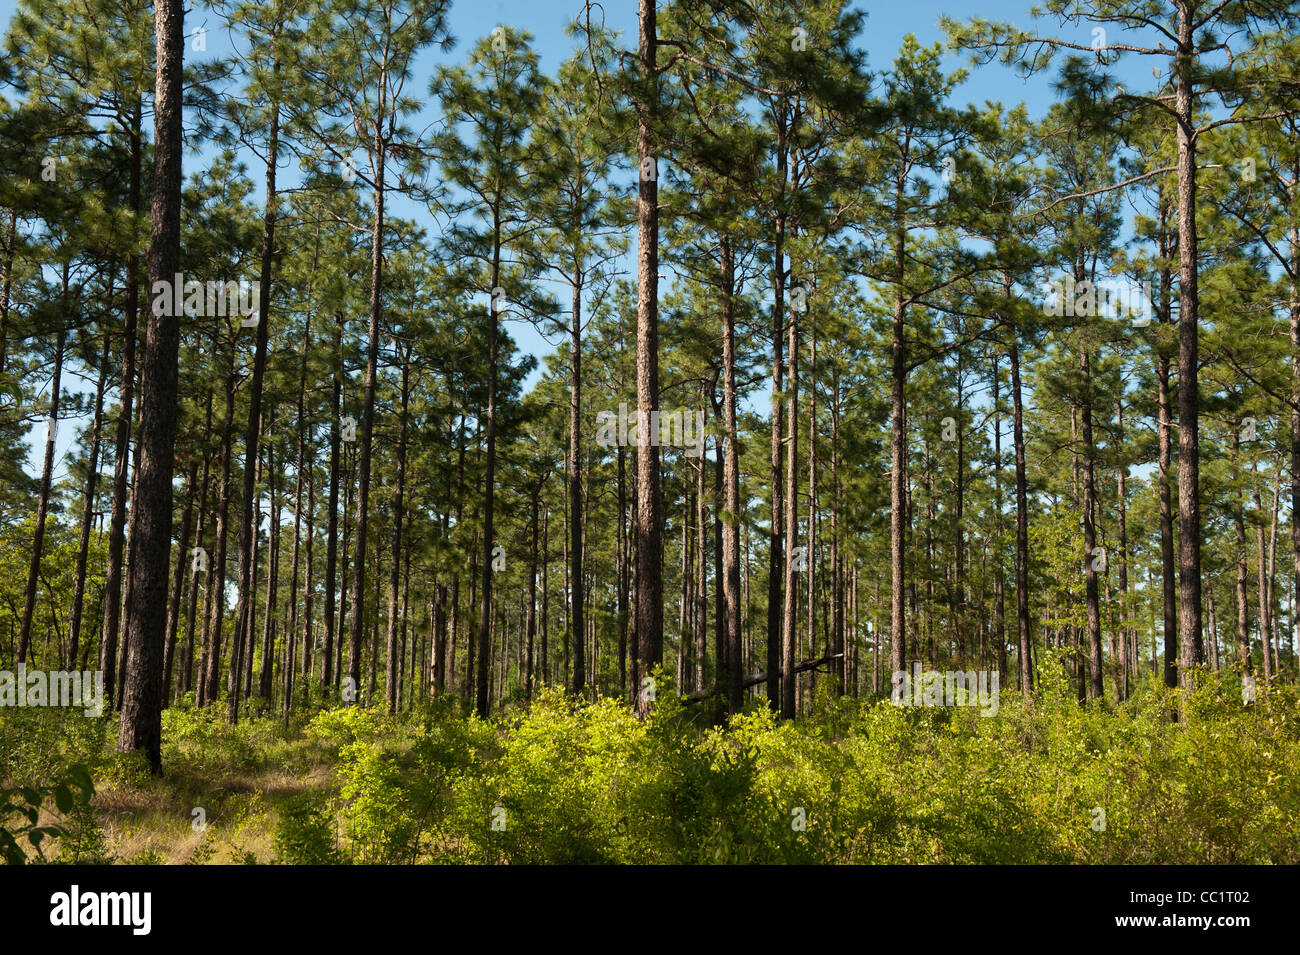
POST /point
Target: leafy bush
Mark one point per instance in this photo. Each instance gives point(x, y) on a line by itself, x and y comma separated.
point(304, 833)
point(574, 782)
point(20, 814)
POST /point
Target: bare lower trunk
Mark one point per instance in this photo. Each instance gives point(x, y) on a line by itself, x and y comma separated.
point(1022, 527)
point(47, 477)
point(793, 554)
point(648, 539)
point(87, 509)
point(122, 450)
point(1190, 652)
point(151, 515)
point(731, 491)
point(576, 608)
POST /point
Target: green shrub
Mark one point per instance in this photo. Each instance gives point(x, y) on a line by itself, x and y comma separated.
point(304, 832)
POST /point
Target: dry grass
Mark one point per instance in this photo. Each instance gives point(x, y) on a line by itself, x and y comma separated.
point(156, 821)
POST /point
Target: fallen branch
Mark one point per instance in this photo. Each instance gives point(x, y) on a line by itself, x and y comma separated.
point(758, 678)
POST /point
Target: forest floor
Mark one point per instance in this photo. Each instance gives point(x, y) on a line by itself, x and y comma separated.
point(564, 780)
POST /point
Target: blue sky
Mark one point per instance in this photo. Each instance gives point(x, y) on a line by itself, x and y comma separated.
point(886, 26)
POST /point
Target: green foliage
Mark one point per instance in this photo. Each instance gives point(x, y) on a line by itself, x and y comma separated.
point(37, 743)
point(21, 809)
point(304, 833)
point(572, 782)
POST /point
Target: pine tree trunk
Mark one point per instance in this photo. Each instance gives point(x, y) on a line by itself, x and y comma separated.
point(531, 625)
point(87, 508)
point(217, 565)
point(999, 570)
point(489, 493)
point(332, 512)
point(366, 436)
point(1126, 632)
point(1164, 458)
point(1261, 550)
point(266, 678)
point(1095, 688)
point(576, 615)
point(621, 575)
point(391, 674)
point(898, 467)
point(730, 516)
point(1243, 602)
point(789, 625)
point(648, 536)
point(178, 581)
point(122, 449)
point(151, 514)
point(1190, 650)
point(1293, 239)
point(252, 433)
point(187, 655)
point(47, 477)
point(776, 541)
point(1022, 527)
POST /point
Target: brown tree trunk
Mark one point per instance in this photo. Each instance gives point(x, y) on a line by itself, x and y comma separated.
point(1261, 548)
point(789, 623)
point(489, 493)
point(898, 469)
point(576, 614)
point(776, 540)
point(648, 537)
point(530, 625)
point(1293, 238)
point(332, 511)
point(999, 571)
point(187, 655)
point(1022, 527)
point(1243, 602)
point(391, 674)
point(730, 517)
point(47, 477)
point(1095, 688)
point(1126, 633)
point(122, 450)
point(178, 581)
point(368, 407)
point(217, 564)
point(87, 508)
point(1165, 441)
point(1190, 651)
point(252, 433)
point(151, 515)
point(266, 678)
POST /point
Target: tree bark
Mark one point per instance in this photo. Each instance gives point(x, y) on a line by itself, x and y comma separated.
point(1190, 651)
point(151, 516)
point(47, 477)
point(217, 565)
point(178, 581)
point(648, 536)
point(252, 432)
point(490, 464)
point(730, 515)
point(122, 450)
point(391, 674)
point(776, 540)
point(368, 408)
point(332, 512)
point(1095, 688)
point(1022, 527)
point(87, 508)
point(789, 624)
point(576, 615)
